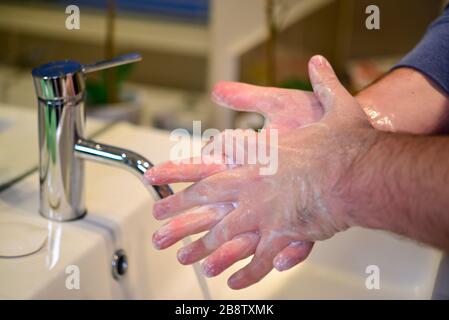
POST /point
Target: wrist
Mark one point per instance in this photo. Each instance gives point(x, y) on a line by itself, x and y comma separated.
point(369, 102)
point(351, 194)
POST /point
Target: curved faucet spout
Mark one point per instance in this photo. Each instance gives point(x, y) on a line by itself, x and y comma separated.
point(122, 158)
point(61, 90)
point(137, 164)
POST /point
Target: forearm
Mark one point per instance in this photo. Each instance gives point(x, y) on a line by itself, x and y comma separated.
point(406, 101)
point(401, 184)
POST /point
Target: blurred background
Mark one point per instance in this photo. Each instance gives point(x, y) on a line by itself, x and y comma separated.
point(188, 45)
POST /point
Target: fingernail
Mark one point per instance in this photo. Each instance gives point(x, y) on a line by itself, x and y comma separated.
point(281, 264)
point(319, 61)
point(156, 243)
point(158, 240)
point(159, 210)
point(233, 281)
point(208, 269)
point(183, 255)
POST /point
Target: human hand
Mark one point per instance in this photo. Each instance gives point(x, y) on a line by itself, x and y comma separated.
point(284, 110)
point(295, 205)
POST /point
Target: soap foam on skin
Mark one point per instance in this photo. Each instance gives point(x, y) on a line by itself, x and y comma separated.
point(315, 155)
point(198, 219)
point(382, 122)
point(324, 93)
point(240, 247)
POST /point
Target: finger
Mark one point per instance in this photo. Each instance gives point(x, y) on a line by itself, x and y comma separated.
point(219, 188)
point(233, 146)
point(282, 107)
point(235, 223)
point(194, 221)
point(326, 85)
point(189, 170)
point(240, 247)
point(246, 97)
point(293, 254)
point(260, 265)
point(227, 150)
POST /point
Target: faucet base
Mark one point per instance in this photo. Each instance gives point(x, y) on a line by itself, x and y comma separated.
point(57, 218)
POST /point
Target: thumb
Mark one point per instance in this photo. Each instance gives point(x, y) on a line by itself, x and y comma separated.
point(328, 89)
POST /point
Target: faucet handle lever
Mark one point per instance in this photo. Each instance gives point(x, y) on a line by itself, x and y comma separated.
point(117, 61)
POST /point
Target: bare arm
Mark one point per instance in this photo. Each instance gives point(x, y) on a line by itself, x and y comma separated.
point(406, 101)
point(401, 184)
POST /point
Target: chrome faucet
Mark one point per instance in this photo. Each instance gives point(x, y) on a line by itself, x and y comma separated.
point(60, 89)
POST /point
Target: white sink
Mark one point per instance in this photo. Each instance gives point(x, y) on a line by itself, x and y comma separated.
point(120, 218)
point(336, 270)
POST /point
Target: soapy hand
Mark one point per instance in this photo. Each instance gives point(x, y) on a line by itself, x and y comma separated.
point(284, 110)
point(273, 217)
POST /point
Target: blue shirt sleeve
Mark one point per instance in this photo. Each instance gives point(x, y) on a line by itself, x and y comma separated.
point(431, 54)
